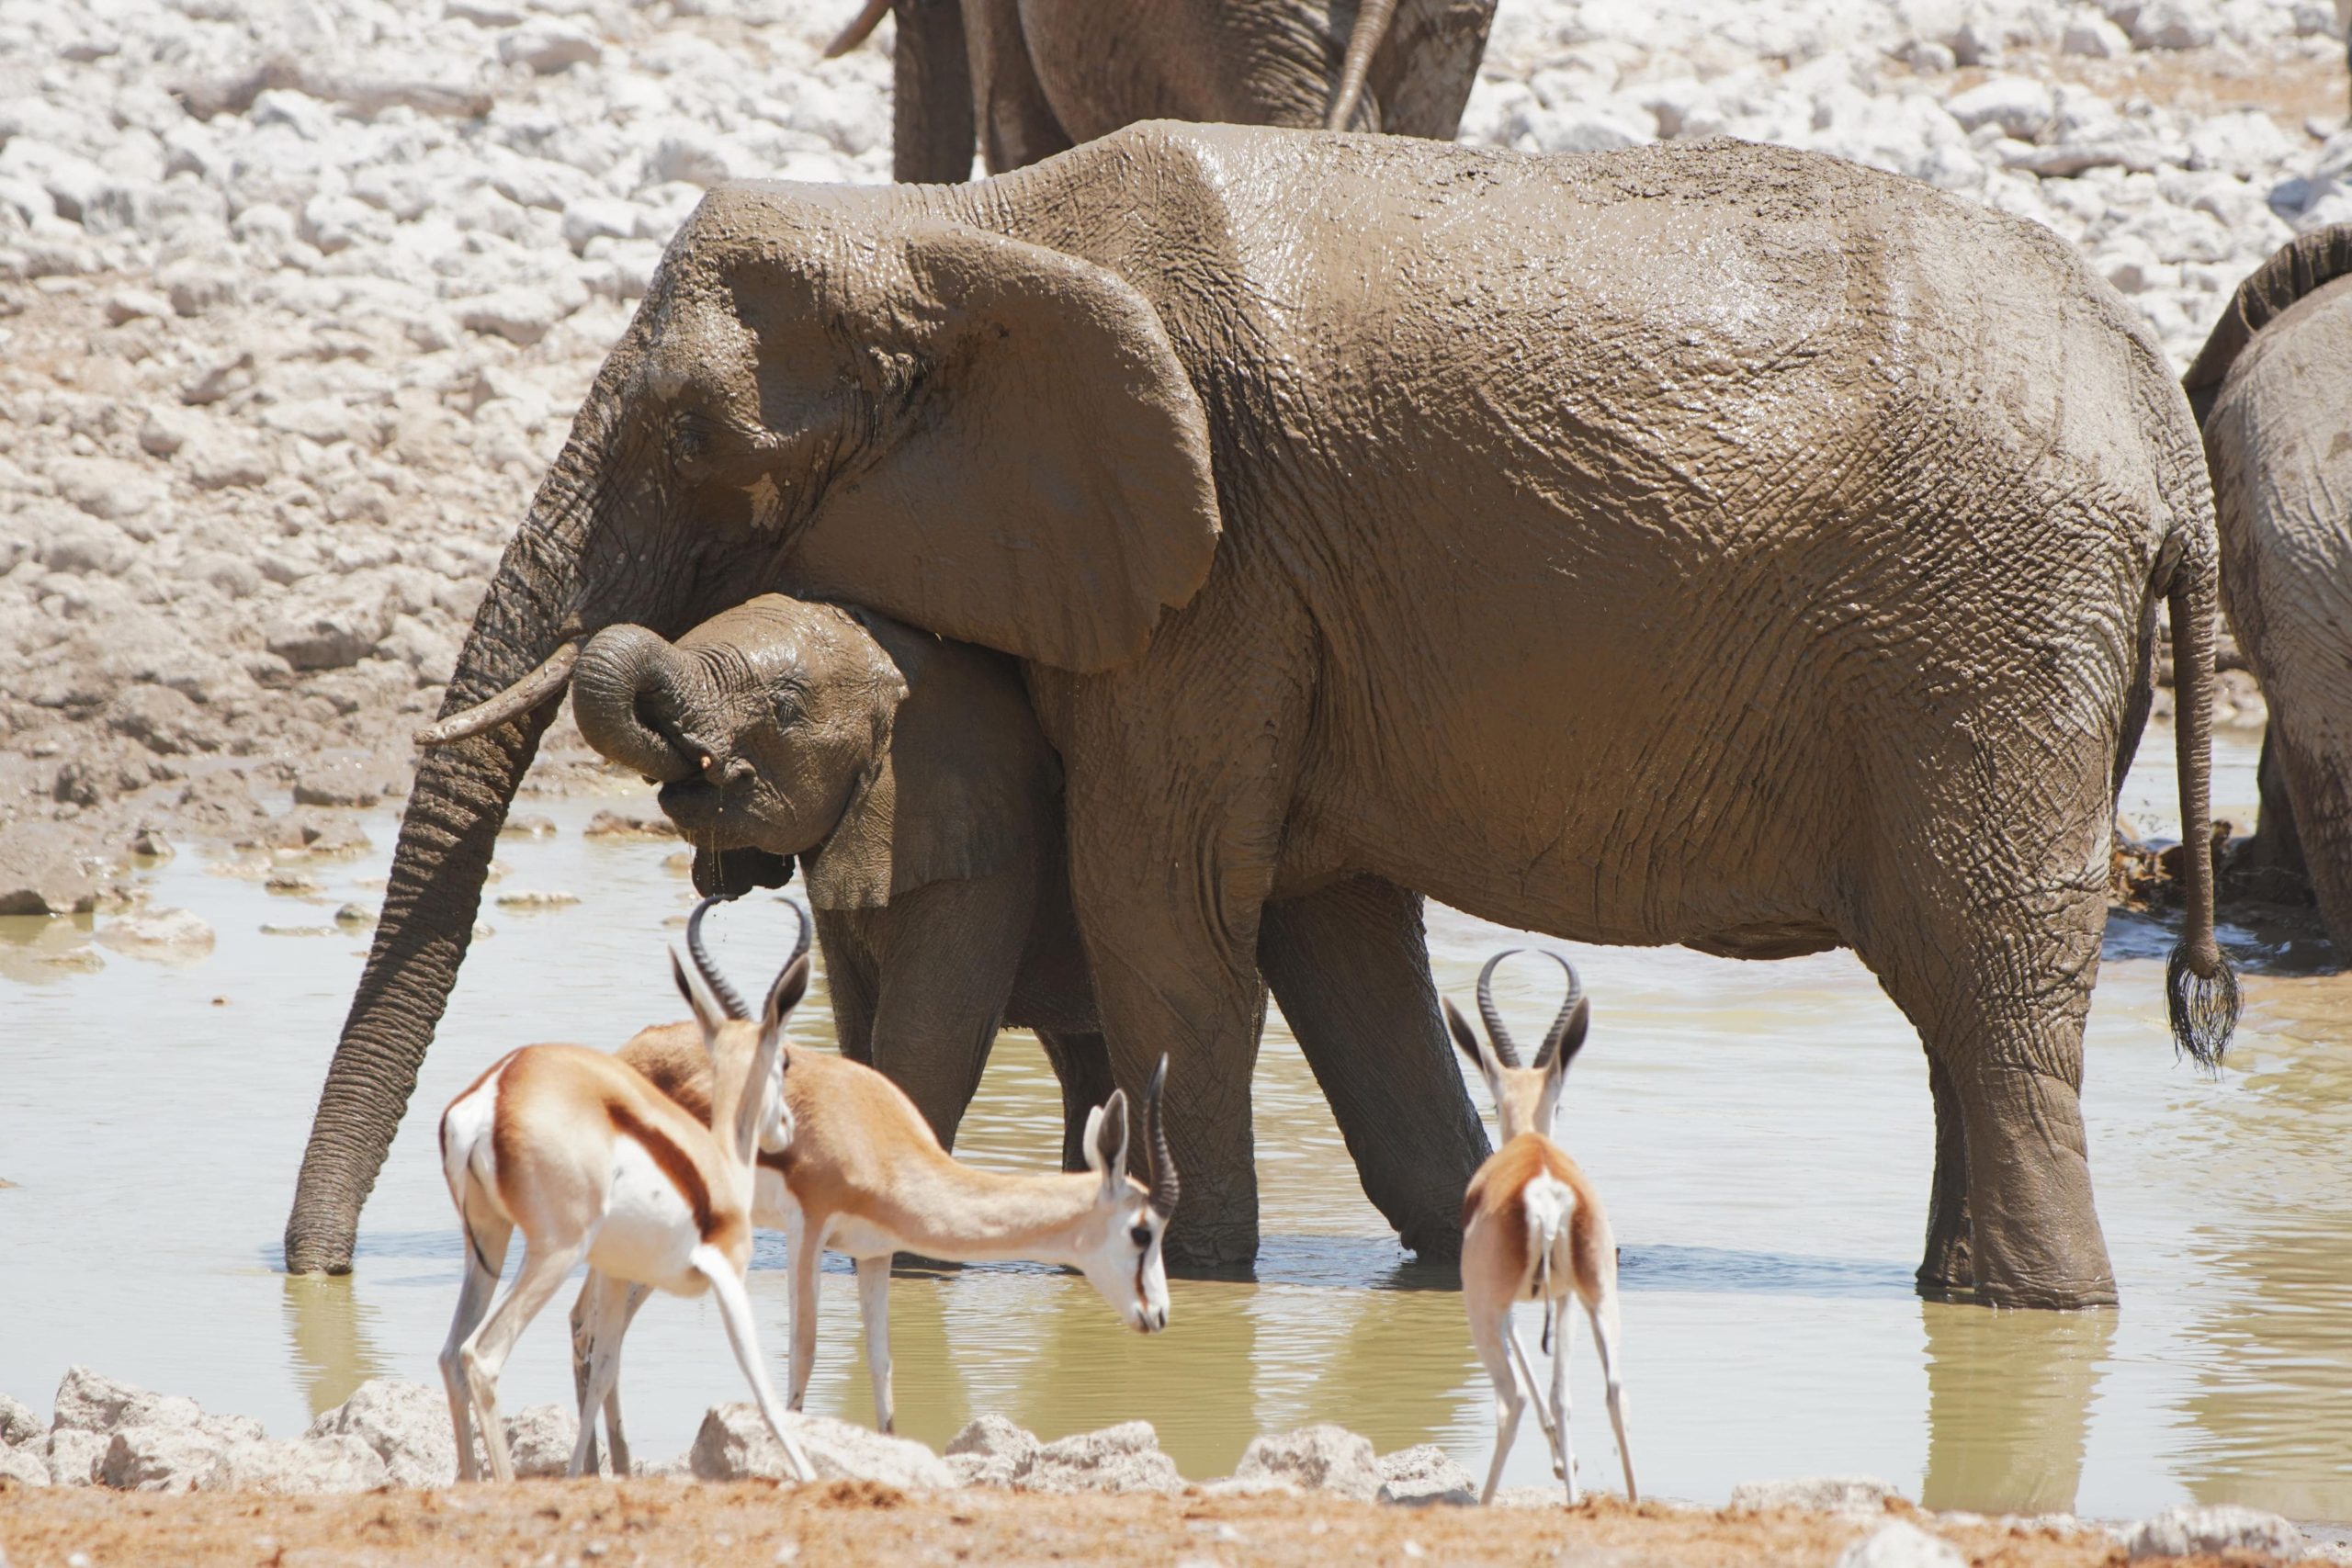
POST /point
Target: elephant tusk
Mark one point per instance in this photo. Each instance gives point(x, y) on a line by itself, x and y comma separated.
point(859, 29)
point(520, 698)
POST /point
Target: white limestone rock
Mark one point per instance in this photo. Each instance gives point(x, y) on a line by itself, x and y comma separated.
point(1321, 1457)
point(735, 1444)
point(168, 936)
point(1900, 1544)
point(1818, 1493)
point(1424, 1475)
point(2192, 1529)
point(160, 1459)
point(991, 1451)
point(539, 1439)
point(1125, 1458)
point(19, 1425)
point(342, 1463)
point(407, 1424)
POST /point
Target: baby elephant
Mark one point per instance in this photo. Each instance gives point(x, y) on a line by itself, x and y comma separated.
point(910, 777)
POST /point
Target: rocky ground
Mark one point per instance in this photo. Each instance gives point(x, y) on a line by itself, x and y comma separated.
point(370, 1483)
point(296, 297)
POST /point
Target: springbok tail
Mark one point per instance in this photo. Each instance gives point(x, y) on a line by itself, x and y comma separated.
point(1550, 1206)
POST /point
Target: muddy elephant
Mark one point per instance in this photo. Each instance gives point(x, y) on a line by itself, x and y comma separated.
point(2273, 389)
point(1035, 77)
point(907, 776)
point(910, 777)
point(1686, 544)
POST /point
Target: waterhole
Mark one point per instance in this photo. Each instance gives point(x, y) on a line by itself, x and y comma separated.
point(1760, 1132)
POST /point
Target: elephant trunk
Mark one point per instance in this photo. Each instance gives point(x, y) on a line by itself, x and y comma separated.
point(631, 692)
point(447, 832)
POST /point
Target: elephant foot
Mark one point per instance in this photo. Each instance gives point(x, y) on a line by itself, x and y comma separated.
point(1210, 1244)
point(1946, 1272)
point(2045, 1295)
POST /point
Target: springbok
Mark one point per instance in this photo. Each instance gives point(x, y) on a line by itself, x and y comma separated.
point(1532, 1229)
point(591, 1161)
point(866, 1176)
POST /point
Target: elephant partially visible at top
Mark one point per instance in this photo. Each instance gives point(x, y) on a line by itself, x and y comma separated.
point(1030, 78)
point(2273, 389)
point(910, 777)
point(1711, 544)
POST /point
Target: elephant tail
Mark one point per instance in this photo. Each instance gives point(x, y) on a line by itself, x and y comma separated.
point(1363, 42)
point(2200, 990)
point(2302, 265)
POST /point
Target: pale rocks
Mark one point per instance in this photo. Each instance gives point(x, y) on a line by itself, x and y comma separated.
point(2191, 1530)
point(1423, 1474)
point(734, 1444)
point(407, 1424)
point(326, 1464)
point(1321, 1457)
point(993, 1451)
point(1897, 1544)
point(1822, 1494)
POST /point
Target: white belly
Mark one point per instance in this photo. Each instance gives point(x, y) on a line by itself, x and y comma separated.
point(648, 1231)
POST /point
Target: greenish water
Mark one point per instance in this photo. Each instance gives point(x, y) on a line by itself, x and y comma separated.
point(1759, 1131)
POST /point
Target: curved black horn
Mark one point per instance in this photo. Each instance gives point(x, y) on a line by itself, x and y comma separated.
point(1505, 1052)
point(1569, 1004)
point(1164, 1185)
point(728, 998)
point(800, 944)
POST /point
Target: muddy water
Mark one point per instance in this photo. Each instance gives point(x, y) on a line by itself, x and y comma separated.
point(1761, 1131)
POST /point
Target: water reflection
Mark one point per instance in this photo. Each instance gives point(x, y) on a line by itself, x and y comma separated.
point(1761, 1134)
point(2009, 1397)
point(331, 1336)
point(2269, 1422)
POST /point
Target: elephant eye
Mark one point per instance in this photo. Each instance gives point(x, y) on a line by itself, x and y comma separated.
point(690, 440)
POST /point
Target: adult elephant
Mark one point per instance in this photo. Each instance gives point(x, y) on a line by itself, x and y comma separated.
point(1709, 544)
point(1036, 77)
point(2273, 389)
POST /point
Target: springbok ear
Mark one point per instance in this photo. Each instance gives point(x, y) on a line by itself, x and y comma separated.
point(1046, 491)
point(1106, 1141)
point(707, 1012)
point(1572, 1041)
point(784, 994)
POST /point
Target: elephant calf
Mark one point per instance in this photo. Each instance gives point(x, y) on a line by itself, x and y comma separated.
point(908, 775)
point(2273, 389)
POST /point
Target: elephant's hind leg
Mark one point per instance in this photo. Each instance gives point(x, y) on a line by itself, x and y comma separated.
point(1997, 977)
point(1350, 967)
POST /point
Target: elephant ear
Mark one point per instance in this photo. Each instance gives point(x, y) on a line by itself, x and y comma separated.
point(1044, 487)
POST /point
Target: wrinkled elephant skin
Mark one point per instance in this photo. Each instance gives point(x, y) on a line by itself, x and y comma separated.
point(1680, 545)
point(2274, 386)
point(1036, 77)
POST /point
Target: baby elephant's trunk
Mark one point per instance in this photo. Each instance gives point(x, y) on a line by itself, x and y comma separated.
point(633, 694)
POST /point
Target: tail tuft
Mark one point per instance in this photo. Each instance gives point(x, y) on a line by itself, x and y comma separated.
point(2203, 1008)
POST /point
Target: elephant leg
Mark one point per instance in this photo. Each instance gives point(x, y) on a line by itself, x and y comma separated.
point(852, 983)
point(931, 95)
point(1995, 971)
point(948, 964)
point(1017, 124)
point(2277, 844)
point(1175, 972)
point(1349, 968)
point(1945, 1272)
point(1083, 1062)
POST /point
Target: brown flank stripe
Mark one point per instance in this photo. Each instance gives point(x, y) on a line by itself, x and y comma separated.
point(681, 1170)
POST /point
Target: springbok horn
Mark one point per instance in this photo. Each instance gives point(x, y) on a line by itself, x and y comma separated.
point(728, 996)
point(513, 703)
point(859, 29)
point(1568, 1006)
point(1505, 1052)
point(726, 993)
point(1164, 1185)
point(801, 945)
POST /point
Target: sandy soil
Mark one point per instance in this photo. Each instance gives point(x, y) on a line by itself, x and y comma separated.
point(847, 1524)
